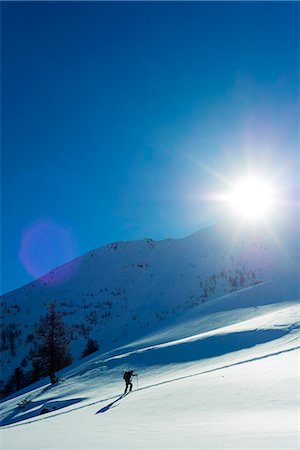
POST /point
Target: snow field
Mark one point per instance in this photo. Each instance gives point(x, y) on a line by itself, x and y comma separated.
point(245, 397)
point(247, 406)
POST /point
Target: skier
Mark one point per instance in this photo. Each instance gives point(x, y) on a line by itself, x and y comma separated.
point(127, 377)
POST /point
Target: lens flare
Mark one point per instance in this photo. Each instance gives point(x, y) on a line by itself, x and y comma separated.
point(45, 245)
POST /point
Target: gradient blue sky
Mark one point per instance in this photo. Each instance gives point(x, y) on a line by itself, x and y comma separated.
point(116, 117)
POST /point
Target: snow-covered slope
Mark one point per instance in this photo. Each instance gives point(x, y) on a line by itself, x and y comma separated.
point(125, 291)
point(234, 385)
point(211, 325)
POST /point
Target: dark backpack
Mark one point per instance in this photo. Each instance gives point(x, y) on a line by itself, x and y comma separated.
point(127, 375)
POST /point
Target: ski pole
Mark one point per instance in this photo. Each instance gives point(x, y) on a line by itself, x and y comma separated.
point(137, 382)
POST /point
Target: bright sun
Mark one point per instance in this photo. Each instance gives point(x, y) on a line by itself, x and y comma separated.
point(251, 198)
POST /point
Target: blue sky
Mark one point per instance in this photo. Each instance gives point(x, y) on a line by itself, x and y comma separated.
point(117, 116)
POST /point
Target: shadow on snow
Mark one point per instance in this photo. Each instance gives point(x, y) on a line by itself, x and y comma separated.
point(111, 405)
point(198, 349)
point(36, 408)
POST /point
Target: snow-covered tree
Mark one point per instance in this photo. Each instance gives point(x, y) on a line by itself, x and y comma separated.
point(53, 349)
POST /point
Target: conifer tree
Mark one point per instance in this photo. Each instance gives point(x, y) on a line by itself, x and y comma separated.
point(53, 349)
point(91, 347)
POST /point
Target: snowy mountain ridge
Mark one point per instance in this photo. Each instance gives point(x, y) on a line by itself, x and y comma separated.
point(125, 290)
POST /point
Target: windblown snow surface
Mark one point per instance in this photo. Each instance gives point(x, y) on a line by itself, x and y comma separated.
point(221, 375)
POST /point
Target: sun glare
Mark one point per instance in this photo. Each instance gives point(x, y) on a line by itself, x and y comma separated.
point(251, 198)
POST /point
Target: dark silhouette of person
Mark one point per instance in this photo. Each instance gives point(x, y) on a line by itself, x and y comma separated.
point(127, 378)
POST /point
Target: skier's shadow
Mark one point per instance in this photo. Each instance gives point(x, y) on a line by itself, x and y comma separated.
point(110, 405)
